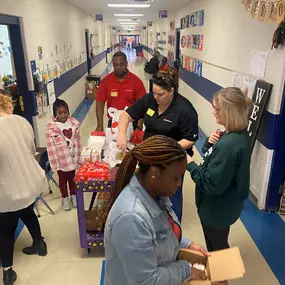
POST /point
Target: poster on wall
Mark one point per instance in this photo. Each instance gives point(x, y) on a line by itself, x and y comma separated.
point(51, 93)
point(258, 63)
point(260, 98)
point(40, 52)
point(245, 83)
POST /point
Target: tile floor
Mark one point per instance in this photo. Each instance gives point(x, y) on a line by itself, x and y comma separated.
point(68, 264)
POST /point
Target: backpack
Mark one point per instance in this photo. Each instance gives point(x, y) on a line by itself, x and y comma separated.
point(152, 66)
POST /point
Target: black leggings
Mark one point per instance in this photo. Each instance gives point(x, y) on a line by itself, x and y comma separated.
point(216, 239)
point(8, 226)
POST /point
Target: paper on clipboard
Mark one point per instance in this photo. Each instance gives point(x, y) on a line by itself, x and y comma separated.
point(51, 93)
point(244, 82)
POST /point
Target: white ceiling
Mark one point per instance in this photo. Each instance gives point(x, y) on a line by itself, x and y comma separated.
point(150, 14)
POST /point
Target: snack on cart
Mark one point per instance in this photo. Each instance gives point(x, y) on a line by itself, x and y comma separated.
point(96, 218)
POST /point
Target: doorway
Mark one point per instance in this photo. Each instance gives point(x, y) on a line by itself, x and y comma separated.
point(129, 41)
point(177, 51)
point(88, 50)
point(14, 70)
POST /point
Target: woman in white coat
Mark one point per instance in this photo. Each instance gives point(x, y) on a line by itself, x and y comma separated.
point(21, 182)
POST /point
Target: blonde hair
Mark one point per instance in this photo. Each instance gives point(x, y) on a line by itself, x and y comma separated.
point(236, 106)
point(5, 101)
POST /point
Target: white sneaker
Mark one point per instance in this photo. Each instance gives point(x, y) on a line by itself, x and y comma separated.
point(73, 201)
point(66, 204)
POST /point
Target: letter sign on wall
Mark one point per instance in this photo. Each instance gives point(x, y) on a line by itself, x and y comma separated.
point(260, 98)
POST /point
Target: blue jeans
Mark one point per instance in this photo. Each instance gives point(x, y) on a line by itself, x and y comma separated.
point(177, 202)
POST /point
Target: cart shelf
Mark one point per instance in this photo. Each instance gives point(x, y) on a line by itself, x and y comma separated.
point(90, 239)
point(95, 239)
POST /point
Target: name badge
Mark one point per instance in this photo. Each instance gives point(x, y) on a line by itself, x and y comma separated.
point(114, 94)
point(150, 112)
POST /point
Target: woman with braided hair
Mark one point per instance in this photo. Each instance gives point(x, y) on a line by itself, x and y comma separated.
point(142, 234)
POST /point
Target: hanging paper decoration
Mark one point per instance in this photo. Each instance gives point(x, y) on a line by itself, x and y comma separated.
point(255, 8)
point(280, 11)
point(171, 40)
point(201, 43)
point(248, 5)
point(193, 42)
point(262, 11)
point(192, 65)
point(192, 20)
point(272, 11)
point(271, 16)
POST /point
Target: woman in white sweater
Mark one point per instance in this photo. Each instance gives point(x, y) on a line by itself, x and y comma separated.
point(21, 181)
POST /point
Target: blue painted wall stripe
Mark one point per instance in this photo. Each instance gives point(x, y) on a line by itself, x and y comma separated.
point(97, 58)
point(69, 78)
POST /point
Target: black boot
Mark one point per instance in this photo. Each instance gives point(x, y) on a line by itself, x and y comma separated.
point(39, 248)
point(9, 277)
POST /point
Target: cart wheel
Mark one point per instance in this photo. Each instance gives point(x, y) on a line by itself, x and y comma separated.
point(88, 250)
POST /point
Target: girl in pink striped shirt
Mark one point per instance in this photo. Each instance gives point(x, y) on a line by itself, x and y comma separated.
point(64, 148)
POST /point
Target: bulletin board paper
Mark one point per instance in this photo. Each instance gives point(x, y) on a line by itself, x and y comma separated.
point(51, 93)
point(258, 63)
point(244, 82)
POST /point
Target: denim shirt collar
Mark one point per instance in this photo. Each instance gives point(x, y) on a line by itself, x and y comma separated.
point(155, 208)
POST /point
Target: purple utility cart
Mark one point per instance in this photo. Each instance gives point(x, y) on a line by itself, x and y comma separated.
point(95, 239)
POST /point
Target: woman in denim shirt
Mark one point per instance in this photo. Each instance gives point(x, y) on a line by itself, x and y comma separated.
point(142, 234)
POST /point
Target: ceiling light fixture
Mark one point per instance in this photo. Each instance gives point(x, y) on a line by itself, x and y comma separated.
point(128, 24)
point(125, 20)
point(128, 5)
point(128, 15)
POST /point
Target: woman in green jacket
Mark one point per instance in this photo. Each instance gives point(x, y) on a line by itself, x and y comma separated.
point(222, 179)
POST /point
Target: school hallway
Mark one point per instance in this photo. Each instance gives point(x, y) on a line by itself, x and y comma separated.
point(68, 264)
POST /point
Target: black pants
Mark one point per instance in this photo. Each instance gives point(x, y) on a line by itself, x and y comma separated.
point(8, 226)
point(216, 239)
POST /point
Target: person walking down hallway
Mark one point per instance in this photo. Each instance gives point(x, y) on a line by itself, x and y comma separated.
point(164, 112)
point(119, 90)
point(21, 182)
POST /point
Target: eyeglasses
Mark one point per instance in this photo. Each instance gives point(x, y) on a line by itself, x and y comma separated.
point(162, 81)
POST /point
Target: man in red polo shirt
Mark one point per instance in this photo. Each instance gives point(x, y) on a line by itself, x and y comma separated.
point(119, 89)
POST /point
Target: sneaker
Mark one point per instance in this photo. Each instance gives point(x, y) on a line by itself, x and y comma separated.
point(39, 248)
point(66, 204)
point(73, 201)
point(9, 277)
